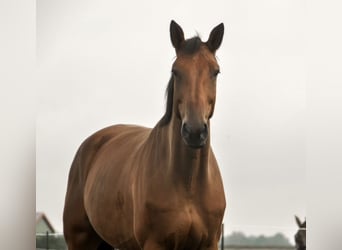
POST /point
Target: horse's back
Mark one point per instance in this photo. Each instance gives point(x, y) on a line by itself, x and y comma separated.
point(108, 141)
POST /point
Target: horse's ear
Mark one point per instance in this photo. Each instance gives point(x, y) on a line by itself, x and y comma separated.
point(215, 38)
point(299, 223)
point(304, 224)
point(177, 35)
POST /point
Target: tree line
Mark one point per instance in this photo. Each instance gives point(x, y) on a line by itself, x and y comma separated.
point(240, 239)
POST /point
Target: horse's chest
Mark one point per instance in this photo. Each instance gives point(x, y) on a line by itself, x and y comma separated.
point(180, 227)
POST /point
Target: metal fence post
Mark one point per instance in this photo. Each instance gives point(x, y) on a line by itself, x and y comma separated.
point(222, 237)
point(47, 239)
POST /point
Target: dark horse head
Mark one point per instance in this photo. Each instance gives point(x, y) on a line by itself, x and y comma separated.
point(300, 236)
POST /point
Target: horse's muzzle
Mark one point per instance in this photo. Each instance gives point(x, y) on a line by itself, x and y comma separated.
point(194, 136)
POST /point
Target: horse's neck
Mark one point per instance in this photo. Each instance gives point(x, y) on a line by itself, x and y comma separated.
point(183, 164)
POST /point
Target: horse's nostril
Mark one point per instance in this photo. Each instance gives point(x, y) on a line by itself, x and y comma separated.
point(186, 130)
point(204, 132)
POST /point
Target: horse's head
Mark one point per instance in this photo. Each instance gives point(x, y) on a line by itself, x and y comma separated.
point(300, 236)
point(194, 75)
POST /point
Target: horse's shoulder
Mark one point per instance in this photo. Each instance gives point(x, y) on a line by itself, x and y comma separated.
point(99, 138)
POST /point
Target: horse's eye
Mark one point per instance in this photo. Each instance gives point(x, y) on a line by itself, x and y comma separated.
point(175, 72)
point(216, 72)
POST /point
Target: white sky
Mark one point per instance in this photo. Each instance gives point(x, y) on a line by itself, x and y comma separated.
point(106, 62)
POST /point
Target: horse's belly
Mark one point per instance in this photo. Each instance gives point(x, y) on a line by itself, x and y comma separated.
point(108, 204)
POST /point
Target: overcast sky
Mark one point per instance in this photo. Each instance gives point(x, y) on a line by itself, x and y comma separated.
point(106, 62)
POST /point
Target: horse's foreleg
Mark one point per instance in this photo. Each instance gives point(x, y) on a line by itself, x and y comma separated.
point(83, 241)
point(78, 232)
point(153, 245)
point(211, 248)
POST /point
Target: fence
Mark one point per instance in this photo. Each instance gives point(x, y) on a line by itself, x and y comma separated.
point(50, 241)
point(56, 241)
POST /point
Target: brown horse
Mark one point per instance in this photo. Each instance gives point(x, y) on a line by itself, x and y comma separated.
point(300, 236)
point(132, 187)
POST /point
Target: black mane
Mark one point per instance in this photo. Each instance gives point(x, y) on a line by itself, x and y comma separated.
point(169, 103)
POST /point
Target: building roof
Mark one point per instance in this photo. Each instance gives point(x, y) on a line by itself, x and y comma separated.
point(41, 216)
